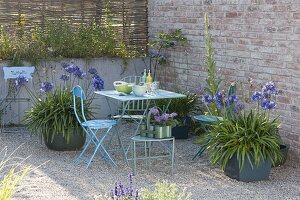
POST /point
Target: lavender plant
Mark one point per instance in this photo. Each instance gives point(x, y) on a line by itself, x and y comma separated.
point(122, 192)
point(52, 110)
point(164, 119)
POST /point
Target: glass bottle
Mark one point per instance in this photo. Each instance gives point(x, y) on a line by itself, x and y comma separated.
point(149, 78)
point(143, 79)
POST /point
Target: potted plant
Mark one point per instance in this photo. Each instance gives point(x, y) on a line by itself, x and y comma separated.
point(183, 107)
point(158, 125)
point(52, 115)
point(245, 143)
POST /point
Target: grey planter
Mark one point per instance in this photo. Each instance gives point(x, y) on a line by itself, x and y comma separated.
point(247, 174)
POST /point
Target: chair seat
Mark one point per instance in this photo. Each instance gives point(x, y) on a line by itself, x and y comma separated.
point(129, 116)
point(99, 123)
point(208, 118)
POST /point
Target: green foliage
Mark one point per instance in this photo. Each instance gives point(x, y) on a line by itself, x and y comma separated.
point(54, 114)
point(161, 44)
point(244, 135)
point(12, 177)
point(212, 81)
point(61, 39)
point(165, 191)
point(182, 106)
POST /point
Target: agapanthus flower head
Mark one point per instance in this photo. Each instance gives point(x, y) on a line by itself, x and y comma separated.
point(65, 77)
point(21, 81)
point(154, 54)
point(207, 98)
point(70, 68)
point(93, 71)
point(256, 96)
point(79, 73)
point(268, 104)
point(47, 87)
point(269, 89)
point(219, 98)
point(97, 83)
point(238, 107)
point(233, 98)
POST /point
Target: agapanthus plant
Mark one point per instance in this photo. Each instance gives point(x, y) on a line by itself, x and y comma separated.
point(224, 103)
point(52, 111)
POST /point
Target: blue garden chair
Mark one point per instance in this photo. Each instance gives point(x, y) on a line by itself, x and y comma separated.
point(92, 128)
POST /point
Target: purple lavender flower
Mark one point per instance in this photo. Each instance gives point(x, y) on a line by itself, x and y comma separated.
point(97, 83)
point(207, 98)
point(136, 195)
point(256, 96)
point(65, 77)
point(157, 118)
point(154, 111)
point(79, 73)
point(21, 81)
point(173, 114)
point(93, 71)
point(47, 87)
point(165, 117)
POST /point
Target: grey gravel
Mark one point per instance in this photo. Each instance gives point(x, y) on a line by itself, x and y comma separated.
point(61, 179)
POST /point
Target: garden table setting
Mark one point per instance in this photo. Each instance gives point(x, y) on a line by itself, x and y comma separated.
point(132, 99)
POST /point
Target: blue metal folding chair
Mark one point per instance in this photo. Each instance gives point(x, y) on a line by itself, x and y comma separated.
point(92, 129)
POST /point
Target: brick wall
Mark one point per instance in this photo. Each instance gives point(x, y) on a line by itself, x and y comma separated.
point(257, 39)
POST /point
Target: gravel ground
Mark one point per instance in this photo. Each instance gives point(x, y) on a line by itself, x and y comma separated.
point(61, 179)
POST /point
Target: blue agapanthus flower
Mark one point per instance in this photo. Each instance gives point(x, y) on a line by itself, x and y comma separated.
point(79, 73)
point(239, 107)
point(93, 71)
point(47, 87)
point(219, 98)
point(207, 98)
point(269, 89)
point(71, 68)
point(65, 77)
point(21, 81)
point(267, 104)
point(97, 83)
point(256, 96)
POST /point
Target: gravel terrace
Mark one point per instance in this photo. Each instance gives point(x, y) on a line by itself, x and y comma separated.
point(61, 179)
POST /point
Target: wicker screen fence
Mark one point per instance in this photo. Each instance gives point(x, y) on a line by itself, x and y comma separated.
point(129, 17)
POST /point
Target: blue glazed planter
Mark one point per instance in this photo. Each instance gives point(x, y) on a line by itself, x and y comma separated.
point(247, 174)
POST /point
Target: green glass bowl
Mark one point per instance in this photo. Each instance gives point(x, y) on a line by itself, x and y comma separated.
point(122, 86)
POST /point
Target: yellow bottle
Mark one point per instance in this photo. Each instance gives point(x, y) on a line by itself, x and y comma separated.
point(149, 78)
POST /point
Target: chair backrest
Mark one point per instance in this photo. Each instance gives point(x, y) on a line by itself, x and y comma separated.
point(135, 106)
point(132, 79)
point(78, 94)
point(15, 72)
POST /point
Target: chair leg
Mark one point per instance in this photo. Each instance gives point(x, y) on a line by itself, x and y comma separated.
point(84, 149)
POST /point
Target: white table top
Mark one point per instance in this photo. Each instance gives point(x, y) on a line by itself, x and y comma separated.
point(159, 94)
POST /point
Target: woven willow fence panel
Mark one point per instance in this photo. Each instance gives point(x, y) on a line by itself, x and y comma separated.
point(128, 16)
